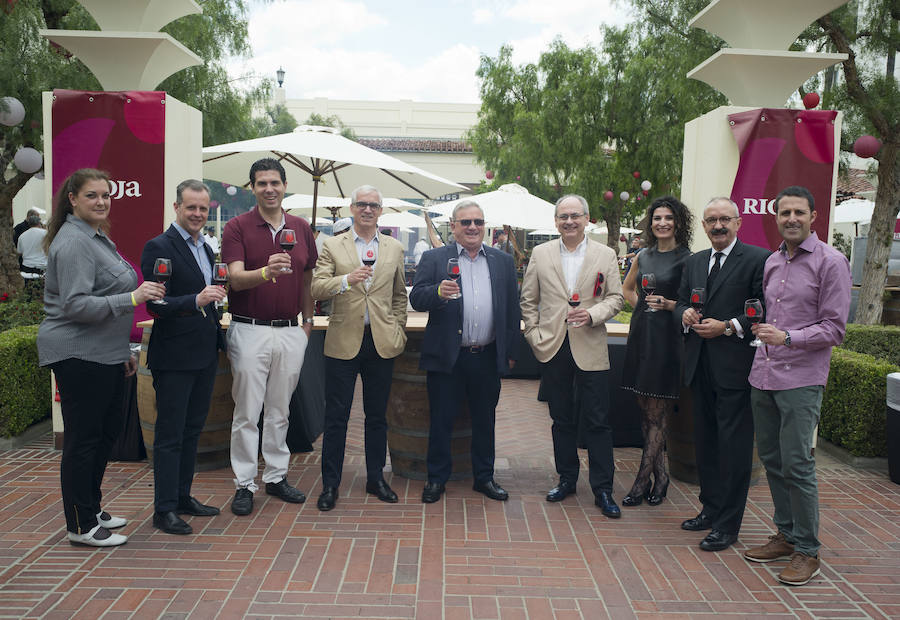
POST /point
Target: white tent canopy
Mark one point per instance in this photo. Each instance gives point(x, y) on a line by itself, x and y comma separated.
point(313, 155)
point(854, 211)
point(402, 220)
point(510, 204)
point(303, 203)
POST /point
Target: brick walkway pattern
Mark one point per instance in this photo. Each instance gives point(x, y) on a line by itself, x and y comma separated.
point(464, 557)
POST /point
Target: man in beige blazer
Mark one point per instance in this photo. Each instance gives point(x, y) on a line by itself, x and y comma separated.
point(366, 332)
point(571, 288)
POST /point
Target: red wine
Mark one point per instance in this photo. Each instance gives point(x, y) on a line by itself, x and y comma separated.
point(574, 303)
point(754, 319)
point(453, 276)
point(162, 278)
point(368, 262)
point(649, 290)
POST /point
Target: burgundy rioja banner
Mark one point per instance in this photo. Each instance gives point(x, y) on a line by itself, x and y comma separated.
point(779, 148)
point(122, 133)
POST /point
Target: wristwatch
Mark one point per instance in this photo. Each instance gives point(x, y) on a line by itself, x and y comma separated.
point(308, 321)
point(729, 330)
point(787, 338)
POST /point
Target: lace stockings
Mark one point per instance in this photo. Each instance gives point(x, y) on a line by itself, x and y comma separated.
point(656, 412)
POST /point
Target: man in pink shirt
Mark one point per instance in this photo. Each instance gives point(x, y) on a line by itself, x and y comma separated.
point(807, 292)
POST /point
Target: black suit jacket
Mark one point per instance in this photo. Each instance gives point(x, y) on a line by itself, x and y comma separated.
point(182, 338)
point(739, 279)
point(443, 334)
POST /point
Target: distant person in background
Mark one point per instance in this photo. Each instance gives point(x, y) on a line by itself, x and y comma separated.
point(387, 231)
point(89, 299)
point(30, 248)
point(503, 243)
point(211, 240)
point(21, 227)
point(421, 247)
point(637, 244)
point(341, 226)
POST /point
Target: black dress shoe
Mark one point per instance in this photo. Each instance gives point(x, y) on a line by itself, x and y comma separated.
point(492, 490)
point(432, 492)
point(561, 491)
point(607, 505)
point(242, 504)
point(327, 499)
point(698, 523)
point(171, 523)
point(717, 540)
point(381, 489)
point(285, 492)
point(657, 495)
point(190, 506)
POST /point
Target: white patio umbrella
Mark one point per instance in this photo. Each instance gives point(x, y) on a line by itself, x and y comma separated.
point(303, 204)
point(854, 211)
point(510, 204)
point(402, 220)
point(322, 155)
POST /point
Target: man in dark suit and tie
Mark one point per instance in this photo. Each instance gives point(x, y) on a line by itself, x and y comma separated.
point(717, 364)
point(473, 323)
point(182, 355)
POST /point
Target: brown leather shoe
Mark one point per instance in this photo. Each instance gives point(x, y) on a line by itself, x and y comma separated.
point(776, 548)
point(801, 569)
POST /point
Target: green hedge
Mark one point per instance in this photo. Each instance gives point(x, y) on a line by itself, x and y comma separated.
point(20, 311)
point(24, 386)
point(882, 341)
point(853, 408)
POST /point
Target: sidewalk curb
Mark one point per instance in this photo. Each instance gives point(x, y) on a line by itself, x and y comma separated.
point(35, 431)
point(862, 462)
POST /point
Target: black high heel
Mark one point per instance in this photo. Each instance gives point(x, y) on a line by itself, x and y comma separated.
point(635, 498)
point(656, 496)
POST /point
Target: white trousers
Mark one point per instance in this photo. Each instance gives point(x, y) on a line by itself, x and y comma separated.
point(265, 367)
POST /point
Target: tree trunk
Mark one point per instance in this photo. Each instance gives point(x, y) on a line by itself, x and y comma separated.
point(10, 279)
point(612, 237)
point(881, 236)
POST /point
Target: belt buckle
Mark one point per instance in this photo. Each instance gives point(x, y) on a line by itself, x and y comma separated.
point(280, 322)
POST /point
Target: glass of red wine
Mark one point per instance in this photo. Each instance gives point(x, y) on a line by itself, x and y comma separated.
point(287, 241)
point(574, 302)
point(753, 310)
point(648, 284)
point(698, 297)
point(453, 273)
point(162, 271)
point(220, 277)
point(369, 257)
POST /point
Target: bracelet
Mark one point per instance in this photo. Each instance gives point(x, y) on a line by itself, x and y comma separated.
point(263, 274)
point(134, 302)
point(439, 290)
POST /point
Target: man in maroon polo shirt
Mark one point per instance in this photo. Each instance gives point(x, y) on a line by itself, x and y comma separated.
point(269, 288)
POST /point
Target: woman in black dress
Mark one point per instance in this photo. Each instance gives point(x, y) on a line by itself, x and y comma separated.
point(654, 352)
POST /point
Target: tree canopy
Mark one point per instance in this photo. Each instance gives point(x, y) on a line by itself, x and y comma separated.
point(30, 65)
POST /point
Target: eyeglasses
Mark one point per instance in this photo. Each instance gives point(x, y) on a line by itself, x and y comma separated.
point(367, 205)
point(565, 217)
point(467, 223)
point(711, 221)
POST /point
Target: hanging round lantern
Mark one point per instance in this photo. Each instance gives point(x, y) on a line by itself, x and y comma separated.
point(636, 174)
point(14, 113)
point(28, 160)
point(646, 185)
point(810, 100)
point(624, 196)
point(645, 192)
point(231, 190)
point(866, 146)
point(608, 195)
point(489, 175)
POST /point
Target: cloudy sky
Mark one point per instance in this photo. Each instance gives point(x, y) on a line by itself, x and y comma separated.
point(425, 50)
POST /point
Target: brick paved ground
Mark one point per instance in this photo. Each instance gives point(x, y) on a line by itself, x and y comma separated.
point(465, 557)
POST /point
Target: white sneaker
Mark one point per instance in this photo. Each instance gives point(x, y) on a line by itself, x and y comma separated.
point(110, 522)
point(99, 536)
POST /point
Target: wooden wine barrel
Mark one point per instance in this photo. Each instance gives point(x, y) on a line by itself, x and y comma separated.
point(408, 419)
point(680, 444)
point(214, 446)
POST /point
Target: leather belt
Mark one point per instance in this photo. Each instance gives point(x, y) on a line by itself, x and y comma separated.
point(267, 323)
point(476, 348)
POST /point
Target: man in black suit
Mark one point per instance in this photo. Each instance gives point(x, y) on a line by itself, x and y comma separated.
point(182, 355)
point(718, 358)
point(468, 344)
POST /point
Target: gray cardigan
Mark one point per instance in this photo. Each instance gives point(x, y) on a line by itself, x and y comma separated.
point(87, 298)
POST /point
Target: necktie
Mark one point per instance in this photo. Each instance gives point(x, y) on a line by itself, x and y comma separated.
point(714, 271)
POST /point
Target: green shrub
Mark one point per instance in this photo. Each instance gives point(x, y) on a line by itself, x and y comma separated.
point(882, 341)
point(20, 311)
point(853, 407)
point(24, 386)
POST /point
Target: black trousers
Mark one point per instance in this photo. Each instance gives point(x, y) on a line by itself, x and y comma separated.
point(475, 379)
point(339, 386)
point(182, 403)
point(91, 396)
point(561, 376)
point(723, 439)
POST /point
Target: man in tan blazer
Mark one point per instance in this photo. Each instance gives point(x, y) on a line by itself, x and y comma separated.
point(571, 288)
point(366, 332)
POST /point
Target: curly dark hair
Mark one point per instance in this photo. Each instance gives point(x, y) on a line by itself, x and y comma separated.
point(683, 221)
